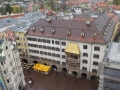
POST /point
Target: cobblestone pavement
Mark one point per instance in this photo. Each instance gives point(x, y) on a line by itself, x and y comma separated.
point(57, 82)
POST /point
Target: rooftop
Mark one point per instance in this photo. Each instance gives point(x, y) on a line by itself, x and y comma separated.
point(95, 32)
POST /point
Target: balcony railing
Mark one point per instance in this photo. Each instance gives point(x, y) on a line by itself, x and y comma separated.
point(73, 60)
point(77, 68)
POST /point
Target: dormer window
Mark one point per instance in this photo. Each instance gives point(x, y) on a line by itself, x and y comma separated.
point(82, 34)
point(94, 35)
point(68, 33)
point(42, 29)
point(33, 29)
point(53, 30)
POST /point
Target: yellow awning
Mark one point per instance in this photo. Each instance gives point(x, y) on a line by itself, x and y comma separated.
point(40, 67)
point(46, 68)
point(72, 48)
point(36, 65)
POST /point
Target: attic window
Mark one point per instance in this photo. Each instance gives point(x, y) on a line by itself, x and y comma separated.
point(82, 34)
point(53, 30)
point(68, 33)
point(94, 35)
point(42, 29)
point(33, 29)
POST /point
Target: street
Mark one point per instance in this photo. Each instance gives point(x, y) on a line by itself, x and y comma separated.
point(59, 81)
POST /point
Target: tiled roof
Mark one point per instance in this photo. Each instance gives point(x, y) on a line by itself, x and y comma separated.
point(77, 2)
point(76, 28)
point(101, 4)
point(114, 7)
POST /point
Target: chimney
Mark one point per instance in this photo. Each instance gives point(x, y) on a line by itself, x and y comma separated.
point(48, 19)
point(88, 21)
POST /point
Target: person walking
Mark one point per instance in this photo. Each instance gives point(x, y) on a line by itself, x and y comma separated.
point(31, 77)
point(30, 82)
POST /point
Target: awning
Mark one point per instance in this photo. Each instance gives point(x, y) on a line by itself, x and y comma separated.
point(72, 48)
point(46, 68)
point(42, 67)
point(36, 65)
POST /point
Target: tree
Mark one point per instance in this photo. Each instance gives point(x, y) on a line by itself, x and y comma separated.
point(2, 11)
point(50, 3)
point(116, 2)
point(8, 8)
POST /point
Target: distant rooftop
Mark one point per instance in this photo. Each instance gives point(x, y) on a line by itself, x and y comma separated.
point(113, 53)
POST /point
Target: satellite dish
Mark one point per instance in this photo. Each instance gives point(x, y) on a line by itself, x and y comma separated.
point(14, 42)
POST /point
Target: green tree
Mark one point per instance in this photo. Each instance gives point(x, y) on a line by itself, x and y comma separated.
point(2, 11)
point(8, 8)
point(50, 3)
point(116, 2)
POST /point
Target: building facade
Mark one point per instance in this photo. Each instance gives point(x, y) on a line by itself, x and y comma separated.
point(72, 46)
point(110, 69)
point(10, 66)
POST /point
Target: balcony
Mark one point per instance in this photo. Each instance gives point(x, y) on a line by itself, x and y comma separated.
point(76, 68)
point(73, 60)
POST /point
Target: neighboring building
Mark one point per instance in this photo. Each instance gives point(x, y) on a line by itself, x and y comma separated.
point(73, 46)
point(110, 69)
point(10, 66)
point(77, 9)
point(17, 29)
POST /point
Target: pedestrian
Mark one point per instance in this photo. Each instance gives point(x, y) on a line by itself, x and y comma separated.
point(31, 77)
point(30, 82)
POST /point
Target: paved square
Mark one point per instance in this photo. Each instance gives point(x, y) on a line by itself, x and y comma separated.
point(58, 81)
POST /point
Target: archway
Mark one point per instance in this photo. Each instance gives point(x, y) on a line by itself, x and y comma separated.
point(35, 62)
point(45, 64)
point(64, 70)
point(94, 77)
point(83, 75)
point(54, 68)
point(24, 61)
point(74, 73)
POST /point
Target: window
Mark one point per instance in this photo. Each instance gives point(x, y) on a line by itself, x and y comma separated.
point(96, 56)
point(97, 48)
point(63, 56)
point(40, 46)
point(8, 80)
point(84, 68)
point(85, 54)
point(64, 43)
point(63, 63)
point(52, 41)
point(94, 70)
point(45, 53)
point(49, 54)
point(57, 42)
point(57, 49)
point(39, 40)
point(85, 61)
point(95, 63)
point(63, 50)
point(53, 48)
point(53, 54)
point(43, 40)
point(3, 62)
point(57, 55)
point(84, 46)
point(19, 67)
point(49, 48)
point(13, 72)
point(34, 39)
point(48, 41)
point(5, 72)
point(44, 47)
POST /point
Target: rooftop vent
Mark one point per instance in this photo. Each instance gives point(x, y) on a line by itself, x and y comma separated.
point(104, 33)
point(68, 33)
point(53, 30)
point(94, 35)
point(42, 29)
point(82, 34)
point(33, 29)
